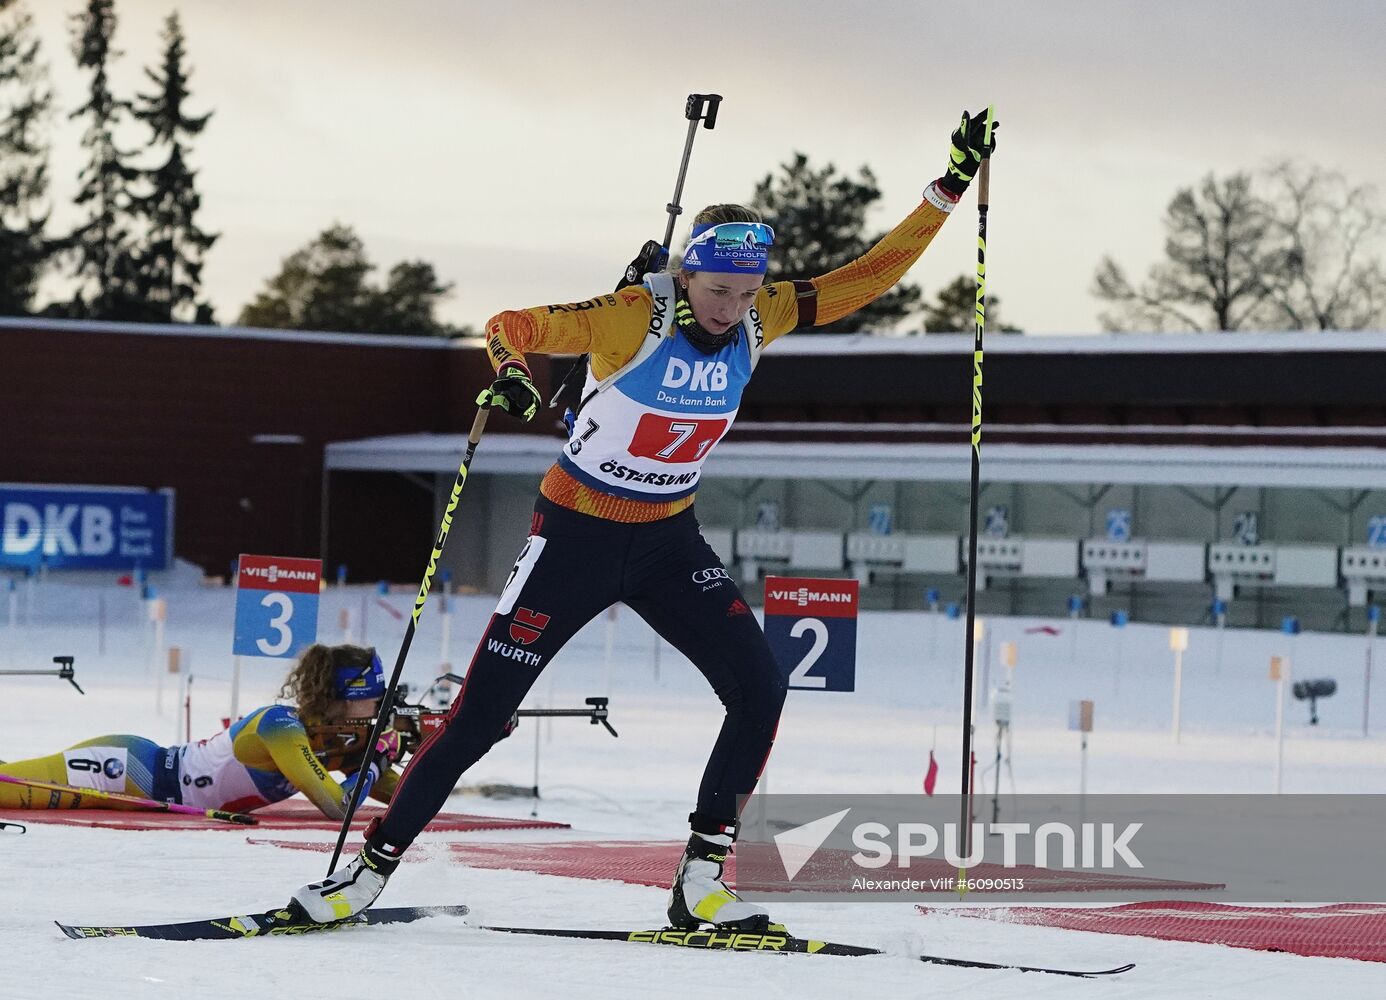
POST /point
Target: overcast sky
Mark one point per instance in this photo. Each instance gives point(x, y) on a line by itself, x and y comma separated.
point(528, 148)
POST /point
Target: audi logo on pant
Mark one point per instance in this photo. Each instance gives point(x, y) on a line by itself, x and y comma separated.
point(708, 575)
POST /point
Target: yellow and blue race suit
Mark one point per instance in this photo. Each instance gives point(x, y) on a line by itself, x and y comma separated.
point(265, 757)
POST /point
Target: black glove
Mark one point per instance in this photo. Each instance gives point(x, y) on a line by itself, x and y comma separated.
point(970, 147)
point(512, 391)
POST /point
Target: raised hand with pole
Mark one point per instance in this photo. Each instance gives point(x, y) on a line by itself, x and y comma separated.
point(973, 143)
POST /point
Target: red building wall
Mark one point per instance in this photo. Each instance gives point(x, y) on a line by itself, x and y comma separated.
point(181, 407)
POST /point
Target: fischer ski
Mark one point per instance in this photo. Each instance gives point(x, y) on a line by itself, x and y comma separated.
point(779, 943)
point(271, 923)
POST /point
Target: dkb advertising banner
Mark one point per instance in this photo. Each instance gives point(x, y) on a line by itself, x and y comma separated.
point(81, 527)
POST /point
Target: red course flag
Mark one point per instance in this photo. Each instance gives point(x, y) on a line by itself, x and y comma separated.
point(931, 775)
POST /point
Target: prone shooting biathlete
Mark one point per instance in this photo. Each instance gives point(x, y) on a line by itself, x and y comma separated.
point(262, 758)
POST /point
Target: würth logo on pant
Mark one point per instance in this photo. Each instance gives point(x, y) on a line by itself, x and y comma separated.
point(527, 625)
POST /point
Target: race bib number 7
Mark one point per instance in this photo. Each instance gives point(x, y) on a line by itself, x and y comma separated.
point(676, 440)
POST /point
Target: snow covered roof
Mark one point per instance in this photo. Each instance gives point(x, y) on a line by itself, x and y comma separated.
point(1355, 468)
point(1235, 342)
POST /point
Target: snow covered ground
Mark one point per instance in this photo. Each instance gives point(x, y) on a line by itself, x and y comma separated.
point(641, 786)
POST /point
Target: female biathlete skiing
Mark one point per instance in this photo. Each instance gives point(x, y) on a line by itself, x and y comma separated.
point(265, 757)
point(614, 520)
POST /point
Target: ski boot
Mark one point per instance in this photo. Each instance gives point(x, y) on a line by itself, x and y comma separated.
point(347, 891)
point(698, 896)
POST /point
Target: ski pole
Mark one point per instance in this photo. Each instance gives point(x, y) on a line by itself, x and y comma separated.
point(381, 717)
point(983, 197)
point(133, 800)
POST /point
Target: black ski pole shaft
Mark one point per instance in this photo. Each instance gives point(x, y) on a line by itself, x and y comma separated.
point(700, 108)
point(381, 717)
point(983, 198)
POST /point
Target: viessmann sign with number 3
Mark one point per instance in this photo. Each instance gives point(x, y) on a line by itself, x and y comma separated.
point(276, 605)
point(812, 629)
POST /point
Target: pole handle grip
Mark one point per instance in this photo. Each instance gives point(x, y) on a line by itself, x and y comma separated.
point(984, 172)
point(478, 425)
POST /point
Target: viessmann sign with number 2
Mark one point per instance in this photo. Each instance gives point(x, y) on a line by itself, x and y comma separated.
point(276, 605)
point(812, 629)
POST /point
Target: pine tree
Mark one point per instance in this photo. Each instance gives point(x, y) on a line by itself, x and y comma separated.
point(820, 224)
point(407, 302)
point(25, 101)
point(170, 261)
point(323, 286)
point(955, 310)
point(106, 268)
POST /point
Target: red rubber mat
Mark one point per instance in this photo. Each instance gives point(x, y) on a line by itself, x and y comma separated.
point(1340, 930)
point(645, 863)
point(635, 862)
point(280, 816)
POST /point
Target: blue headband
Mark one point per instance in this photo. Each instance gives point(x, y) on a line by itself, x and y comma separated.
point(360, 683)
point(729, 247)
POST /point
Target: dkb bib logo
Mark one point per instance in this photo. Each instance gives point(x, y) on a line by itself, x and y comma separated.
point(704, 376)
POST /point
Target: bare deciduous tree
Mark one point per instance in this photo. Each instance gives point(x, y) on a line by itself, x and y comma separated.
point(1217, 239)
point(1292, 249)
point(1329, 278)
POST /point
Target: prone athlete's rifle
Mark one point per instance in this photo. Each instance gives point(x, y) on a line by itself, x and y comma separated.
point(416, 722)
point(64, 672)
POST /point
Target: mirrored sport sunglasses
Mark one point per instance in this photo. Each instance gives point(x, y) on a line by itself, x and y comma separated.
point(743, 235)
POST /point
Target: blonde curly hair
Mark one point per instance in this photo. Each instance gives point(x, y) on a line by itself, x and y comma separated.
point(312, 683)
